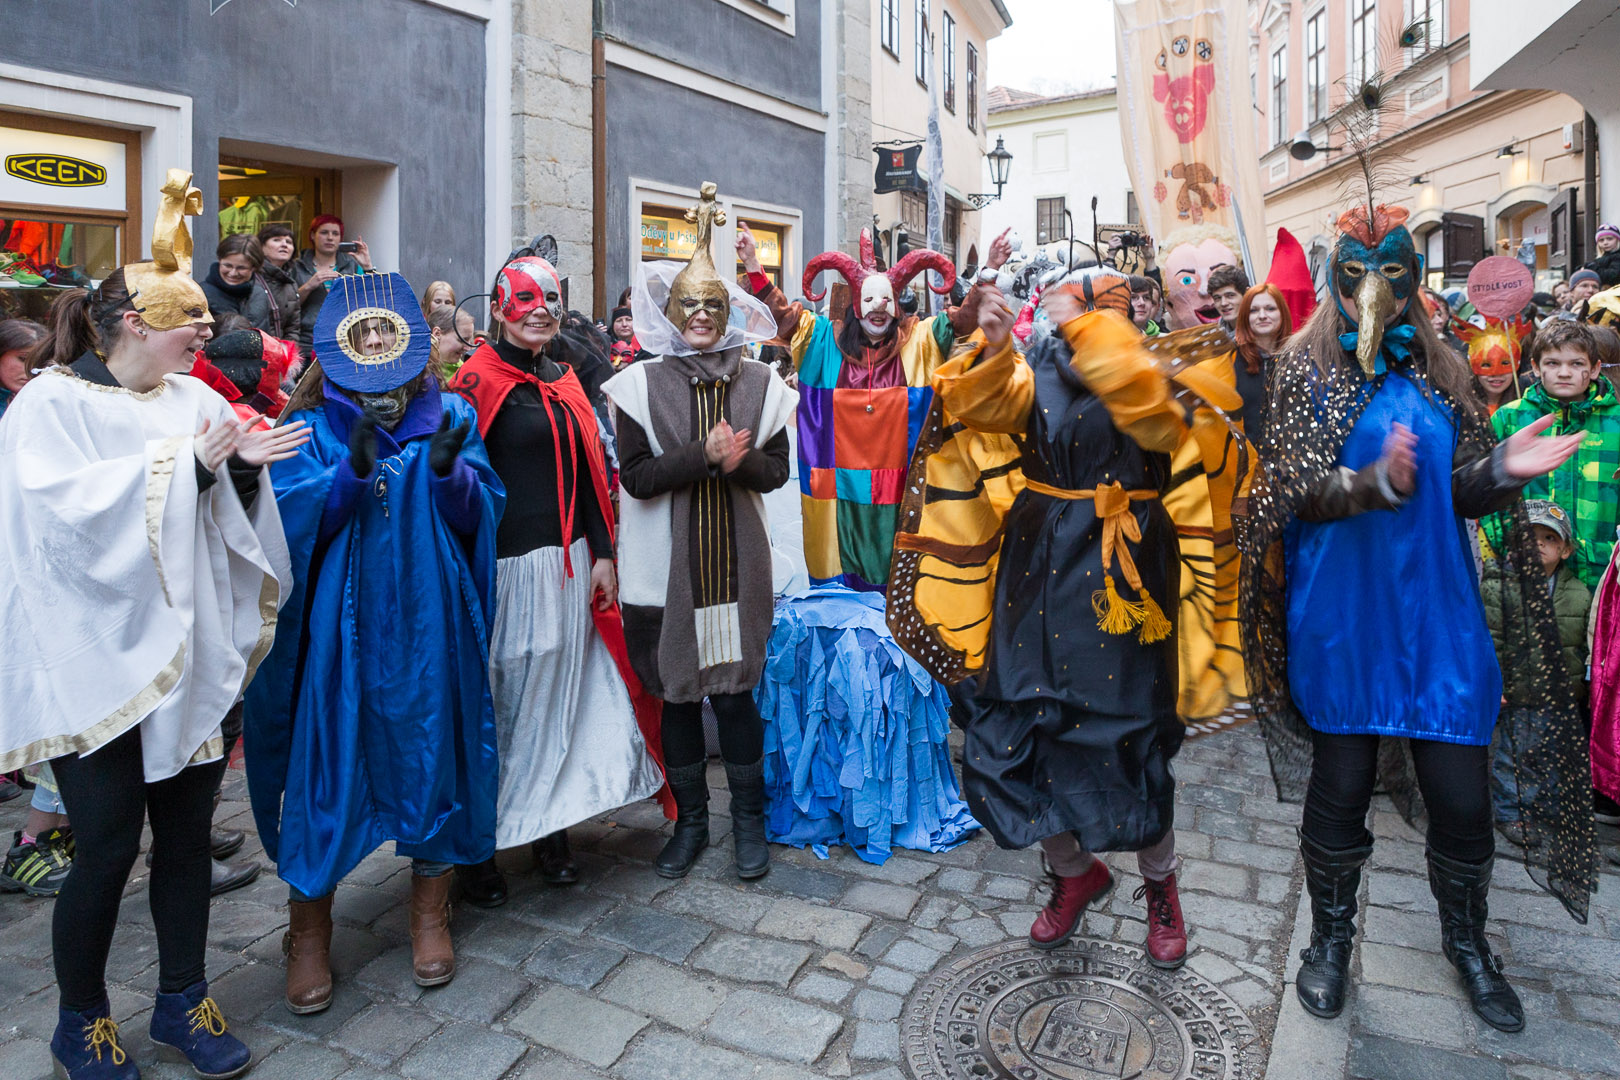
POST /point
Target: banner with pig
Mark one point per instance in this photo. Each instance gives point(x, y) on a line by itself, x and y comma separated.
point(1188, 123)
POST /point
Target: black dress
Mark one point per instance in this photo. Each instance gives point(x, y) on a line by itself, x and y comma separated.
point(1072, 727)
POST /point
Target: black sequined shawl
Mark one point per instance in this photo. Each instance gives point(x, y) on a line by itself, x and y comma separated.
point(1313, 407)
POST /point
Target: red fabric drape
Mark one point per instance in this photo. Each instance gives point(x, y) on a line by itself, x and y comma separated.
point(1606, 688)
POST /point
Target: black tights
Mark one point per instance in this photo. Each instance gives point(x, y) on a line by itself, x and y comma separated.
point(1454, 780)
point(107, 798)
point(742, 732)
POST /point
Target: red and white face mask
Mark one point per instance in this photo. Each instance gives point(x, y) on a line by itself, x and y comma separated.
point(526, 285)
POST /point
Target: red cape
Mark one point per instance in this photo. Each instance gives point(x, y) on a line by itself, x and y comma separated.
point(485, 380)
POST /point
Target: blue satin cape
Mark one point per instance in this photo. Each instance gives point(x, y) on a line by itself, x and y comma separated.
point(1386, 628)
point(371, 719)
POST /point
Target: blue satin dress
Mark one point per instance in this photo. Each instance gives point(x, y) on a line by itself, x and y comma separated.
point(371, 718)
point(1386, 629)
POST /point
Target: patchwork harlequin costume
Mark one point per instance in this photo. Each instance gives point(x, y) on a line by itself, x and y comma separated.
point(861, 406)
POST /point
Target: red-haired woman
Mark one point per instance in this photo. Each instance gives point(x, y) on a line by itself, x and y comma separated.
point(320, 263)
point(1263, 324)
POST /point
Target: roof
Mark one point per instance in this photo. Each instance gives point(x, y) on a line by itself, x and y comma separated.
point(1002, 98)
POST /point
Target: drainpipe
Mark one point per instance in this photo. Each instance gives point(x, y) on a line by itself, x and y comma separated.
point(599, 171)
point(1589, 142)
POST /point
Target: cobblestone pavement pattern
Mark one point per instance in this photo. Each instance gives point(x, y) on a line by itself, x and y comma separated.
point(806, 973)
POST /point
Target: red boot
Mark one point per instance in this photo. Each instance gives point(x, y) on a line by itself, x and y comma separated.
point(1167, 933)
point(1060, 918)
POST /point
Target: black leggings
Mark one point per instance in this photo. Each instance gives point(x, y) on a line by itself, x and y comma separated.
point(107, 799)
point(1454, 780)
point(742, 732)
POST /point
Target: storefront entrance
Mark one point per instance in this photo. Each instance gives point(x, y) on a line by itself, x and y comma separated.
point(253, 194)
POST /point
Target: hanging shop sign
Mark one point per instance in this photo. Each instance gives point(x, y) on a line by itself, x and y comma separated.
point(897, 169)
point(47, 170)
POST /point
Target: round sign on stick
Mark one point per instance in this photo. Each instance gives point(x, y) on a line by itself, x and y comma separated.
point(1499, 286)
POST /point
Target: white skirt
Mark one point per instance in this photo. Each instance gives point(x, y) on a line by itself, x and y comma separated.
point(569, 745)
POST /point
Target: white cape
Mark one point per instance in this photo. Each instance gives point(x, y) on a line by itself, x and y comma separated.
point(126, 596)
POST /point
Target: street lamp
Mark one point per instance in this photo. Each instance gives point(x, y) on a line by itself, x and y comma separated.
point(1000, 166)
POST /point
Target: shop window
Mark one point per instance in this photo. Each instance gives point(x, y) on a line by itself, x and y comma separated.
point(666, 234)
point(70, 203)
point(914, 215)
point(769, 239)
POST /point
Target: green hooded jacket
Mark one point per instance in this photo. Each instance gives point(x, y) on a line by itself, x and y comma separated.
point(1585, 485)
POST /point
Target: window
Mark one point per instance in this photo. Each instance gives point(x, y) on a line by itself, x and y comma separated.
point(889, 26)
point(1316, 81)
point(1431, 13)
point(1363, 41)
point(922, 41)
point(1049, 221)
point(1279, 96)
point(914, 215)
point(973, 87)
point(948, 62)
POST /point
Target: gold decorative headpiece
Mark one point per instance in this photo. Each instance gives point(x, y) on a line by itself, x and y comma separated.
point(162, 290)
point(699, 285)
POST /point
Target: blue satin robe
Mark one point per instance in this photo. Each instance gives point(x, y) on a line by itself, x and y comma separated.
point(371, 718)
point(1386, 628)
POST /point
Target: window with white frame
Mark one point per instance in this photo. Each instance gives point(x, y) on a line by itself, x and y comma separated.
point(973, 87)
point(1279, 96)
point(1316, 80)
point(948, 63)
point(1431, 14)
point(889, 26)
point(1363, 41)
point(921, 51)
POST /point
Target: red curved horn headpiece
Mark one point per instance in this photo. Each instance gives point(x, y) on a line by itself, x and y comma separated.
point(851, 270)
point(916, 262)
point(868, 255)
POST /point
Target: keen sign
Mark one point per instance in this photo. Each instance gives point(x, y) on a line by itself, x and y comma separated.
point(55, 170)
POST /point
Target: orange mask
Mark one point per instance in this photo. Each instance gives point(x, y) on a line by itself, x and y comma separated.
point(1494, 350)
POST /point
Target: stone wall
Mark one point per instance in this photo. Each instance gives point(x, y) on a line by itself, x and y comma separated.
point(551, 134)
point(854, 119)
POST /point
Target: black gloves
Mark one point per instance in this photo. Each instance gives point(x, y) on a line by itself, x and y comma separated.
point(363, 445)
point(446, 445)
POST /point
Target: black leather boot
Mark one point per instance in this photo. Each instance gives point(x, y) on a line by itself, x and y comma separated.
point(482, 884)
point(1331, 879)
point(1460, 889)
point(691, 791)
point(555, 860)
point(753, 854)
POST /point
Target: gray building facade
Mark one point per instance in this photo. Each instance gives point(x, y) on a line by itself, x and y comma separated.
point(734, 91)
point(381, 111)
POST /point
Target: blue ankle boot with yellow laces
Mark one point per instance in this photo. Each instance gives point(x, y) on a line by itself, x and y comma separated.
point(86, 1046)
point(189, 1027)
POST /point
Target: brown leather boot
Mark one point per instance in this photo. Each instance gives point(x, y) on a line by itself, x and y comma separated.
point(433, 958)
point(308, 946)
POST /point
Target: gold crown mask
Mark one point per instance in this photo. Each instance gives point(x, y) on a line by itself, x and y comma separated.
point(162, 290)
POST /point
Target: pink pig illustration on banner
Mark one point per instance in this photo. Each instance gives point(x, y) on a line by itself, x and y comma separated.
point(1186, 100)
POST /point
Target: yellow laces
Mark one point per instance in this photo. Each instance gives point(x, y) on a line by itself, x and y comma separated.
point(105, 1032)
point(207, 1017)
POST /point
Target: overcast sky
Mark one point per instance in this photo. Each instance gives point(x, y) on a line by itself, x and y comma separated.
point(1055, 46)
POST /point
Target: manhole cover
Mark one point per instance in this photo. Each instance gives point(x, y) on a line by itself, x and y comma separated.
point(1088, 1011)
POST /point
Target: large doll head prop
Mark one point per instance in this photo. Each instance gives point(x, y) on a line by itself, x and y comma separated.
point(698, 291)
point(1375, 273)
point(162, 290)
point(1191, 255)
point(875, 292)
point(370, 337)
point(525, 285)
point(1603, 309)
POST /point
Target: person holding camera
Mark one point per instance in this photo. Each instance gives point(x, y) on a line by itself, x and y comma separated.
point(328, 258)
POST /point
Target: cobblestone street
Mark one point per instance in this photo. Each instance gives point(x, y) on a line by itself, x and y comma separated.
point(806, 973)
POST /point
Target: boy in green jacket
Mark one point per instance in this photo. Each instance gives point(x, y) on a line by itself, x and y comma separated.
point(1564, 357)
point(1521, 718)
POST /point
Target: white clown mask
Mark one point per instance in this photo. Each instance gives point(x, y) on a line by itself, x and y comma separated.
point(877, 306)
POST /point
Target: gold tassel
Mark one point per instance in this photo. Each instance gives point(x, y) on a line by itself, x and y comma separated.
point(1115, 614)
point(1155, 627)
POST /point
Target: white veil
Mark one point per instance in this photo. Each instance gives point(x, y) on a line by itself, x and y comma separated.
point(750, 319)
